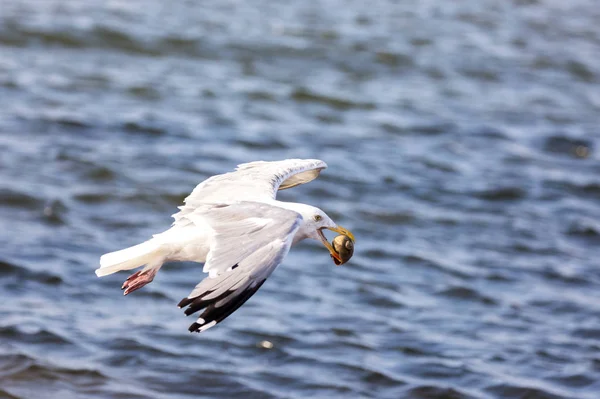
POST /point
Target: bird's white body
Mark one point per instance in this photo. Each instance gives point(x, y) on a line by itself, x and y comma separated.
point(179, 244)
point(176, 244)
point(234, 225)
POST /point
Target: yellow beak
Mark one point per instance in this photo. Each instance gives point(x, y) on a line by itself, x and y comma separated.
point(339, 230)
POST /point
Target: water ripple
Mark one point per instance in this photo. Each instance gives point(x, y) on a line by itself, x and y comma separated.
point(462, 151)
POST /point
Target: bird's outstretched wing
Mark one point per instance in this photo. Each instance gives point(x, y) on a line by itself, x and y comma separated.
point(250, 239)
point(255, 181)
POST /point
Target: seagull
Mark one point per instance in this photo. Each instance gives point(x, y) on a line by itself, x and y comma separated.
point(234, 225)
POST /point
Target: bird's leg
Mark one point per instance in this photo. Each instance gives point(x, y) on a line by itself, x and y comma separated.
point(138, 279)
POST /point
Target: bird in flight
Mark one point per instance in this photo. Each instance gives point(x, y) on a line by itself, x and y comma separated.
point(234, 225)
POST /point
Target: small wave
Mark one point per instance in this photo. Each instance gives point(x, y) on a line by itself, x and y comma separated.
point(587, 189)
point(584, 228)
point(8, 83)
point(379, 253)
point(100, 174)
point(144, 92)
point(141, 197)
point(24, 274)
point(16, 199)
point(74, 120)
point(556, 306)
point(500, 275)
point(395, 60)
point(390, 217)
point(41, 336)
point(553, 355)
point(483, 74)
point(502, 194)
point(432, 391)
point(379, 297)
point(18, 35)
point(343, 332)
point(564, 145)
point(417, 128)
point(93, 198)
point(574, 380)
point(459, 270)
point(529, 247)
point(5, 395)
point(421, 41)
point(144, 127)
point(308, 96)
point(568, 276)
point(44, 373)
point(153, 293)
point(261, 95)
point(439, 371)
point(20, 368)
point(15, 34)
point(14, 363)
point(467, 293)
point(128, 346)
point(514, 391)
point(380, 379)
point(489, 132)
point(412, 350)
point(592, 333)
point(89, 170)
point(263, 143)
point(580, 71)
point(438, 165)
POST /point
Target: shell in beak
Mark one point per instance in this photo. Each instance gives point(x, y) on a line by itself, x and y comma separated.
point(345, 245)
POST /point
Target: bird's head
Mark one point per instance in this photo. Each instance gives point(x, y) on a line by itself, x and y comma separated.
point(315, 221)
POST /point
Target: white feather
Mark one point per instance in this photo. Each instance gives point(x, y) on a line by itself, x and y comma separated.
point(130, 258)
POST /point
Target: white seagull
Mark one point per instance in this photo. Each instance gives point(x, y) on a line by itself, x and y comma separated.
point(234, 225)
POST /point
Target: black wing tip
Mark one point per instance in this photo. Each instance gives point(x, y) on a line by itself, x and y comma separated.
point(195, 306)
point(184, 302)
point(198, 303)
point(213, 315)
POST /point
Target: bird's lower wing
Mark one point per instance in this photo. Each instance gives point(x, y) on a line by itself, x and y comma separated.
point(250, 240)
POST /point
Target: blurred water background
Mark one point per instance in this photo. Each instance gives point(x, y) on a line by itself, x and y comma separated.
point(462, 142)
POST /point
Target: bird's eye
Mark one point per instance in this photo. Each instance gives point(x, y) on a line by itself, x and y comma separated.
point(318, 218)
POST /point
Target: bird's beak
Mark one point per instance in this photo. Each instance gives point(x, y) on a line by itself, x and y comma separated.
point(339, 230)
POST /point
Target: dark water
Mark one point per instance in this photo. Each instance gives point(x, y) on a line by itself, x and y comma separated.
point(463, 151)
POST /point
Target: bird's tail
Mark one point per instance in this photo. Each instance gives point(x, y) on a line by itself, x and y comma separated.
point(130, 258)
